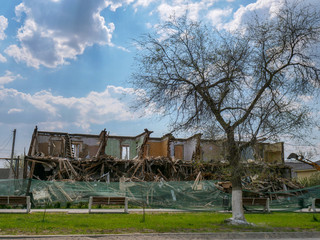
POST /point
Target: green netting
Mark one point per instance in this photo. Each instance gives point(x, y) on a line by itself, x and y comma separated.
point(294, 199)
point(174, 195)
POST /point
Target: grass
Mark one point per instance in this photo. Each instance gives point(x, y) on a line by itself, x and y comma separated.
point(53, 223)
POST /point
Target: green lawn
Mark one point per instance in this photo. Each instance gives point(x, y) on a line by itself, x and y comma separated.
point(164, 222)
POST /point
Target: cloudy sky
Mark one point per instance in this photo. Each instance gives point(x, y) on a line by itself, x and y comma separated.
point(65, 64)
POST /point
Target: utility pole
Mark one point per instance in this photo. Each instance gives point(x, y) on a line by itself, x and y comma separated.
point(12, 153)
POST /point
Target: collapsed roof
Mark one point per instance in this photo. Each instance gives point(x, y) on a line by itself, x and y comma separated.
point(60, 155)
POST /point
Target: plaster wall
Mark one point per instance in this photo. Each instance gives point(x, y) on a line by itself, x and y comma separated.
point(189, 148)
point(114, 147)
point(273, 152)
point(132, 143)
point(54, 144)
point(157, 148)
point(212, 151)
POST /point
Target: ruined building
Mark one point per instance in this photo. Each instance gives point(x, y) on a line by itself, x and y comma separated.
point(86, 157)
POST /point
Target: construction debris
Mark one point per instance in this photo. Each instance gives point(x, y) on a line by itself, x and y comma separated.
point(108, 169)
point(55, 156)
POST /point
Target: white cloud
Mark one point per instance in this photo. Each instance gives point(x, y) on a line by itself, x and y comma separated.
point(52, 125)
point(3, 27)
point(180, 7)
point(112, 104)
point(264, 9)
point(216, 16)
point(261, 8)
point(115, 4)
point(8, 77)
point(15, 110)
point(53, 32)
point(143, 3)
point(2, 58)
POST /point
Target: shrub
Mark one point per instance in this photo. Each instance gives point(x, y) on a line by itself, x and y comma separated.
point(57, 205)
point(313, 180)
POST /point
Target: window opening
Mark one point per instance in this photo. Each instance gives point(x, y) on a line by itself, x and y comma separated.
point(125, 150)
point(76, 147)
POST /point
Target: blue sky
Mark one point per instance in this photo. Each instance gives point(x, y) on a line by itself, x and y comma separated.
point(65, 64)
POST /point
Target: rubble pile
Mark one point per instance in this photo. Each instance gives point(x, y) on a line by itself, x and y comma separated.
point(111, 169)
point(272, 188)
point(260, 179)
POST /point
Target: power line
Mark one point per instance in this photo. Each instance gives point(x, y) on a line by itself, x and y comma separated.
point(7, 139)
point(3, 148)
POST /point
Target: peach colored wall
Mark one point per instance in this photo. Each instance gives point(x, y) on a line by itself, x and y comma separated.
point(157, 149)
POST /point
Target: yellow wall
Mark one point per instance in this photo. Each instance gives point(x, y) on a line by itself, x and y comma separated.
point(273, 157)
point(273, 152)
point(212, 151)
point(158, 149)
point(305, 173)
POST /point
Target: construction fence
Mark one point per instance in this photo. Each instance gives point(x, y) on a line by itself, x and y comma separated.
point(187, 195)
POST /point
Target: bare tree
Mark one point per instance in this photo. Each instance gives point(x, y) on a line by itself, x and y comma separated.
point(245, 85)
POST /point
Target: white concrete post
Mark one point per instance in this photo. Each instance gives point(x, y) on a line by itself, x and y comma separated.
point(28, 204)
point(268, 205)
point(90, 204)
point(314, 205)
point(126, 205)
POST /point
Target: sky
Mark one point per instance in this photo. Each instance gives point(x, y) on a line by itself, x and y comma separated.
point(65, 65)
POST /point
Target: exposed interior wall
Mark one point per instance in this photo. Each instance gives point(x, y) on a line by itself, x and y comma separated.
point(113, 147)
point(273, 152)
point(189, 148)
point(192, 148)
point(118, 146)
point(44, 148)
point(88, 146)
point(43, 143)
point(177, 149)
point(132, 144)
point(56, 144)
point(153, 149)
point(178, 152)
point(157, 147)
point(212, 151)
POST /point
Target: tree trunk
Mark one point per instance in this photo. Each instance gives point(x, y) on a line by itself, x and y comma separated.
point(236, 173)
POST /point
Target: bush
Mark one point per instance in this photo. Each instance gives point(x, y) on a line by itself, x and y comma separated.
point(82, 205)
point(68, 205)
point(57, 205)
point(313, 180)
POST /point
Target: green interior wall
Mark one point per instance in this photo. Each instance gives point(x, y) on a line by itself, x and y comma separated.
point(133, 147)
point(113, 147)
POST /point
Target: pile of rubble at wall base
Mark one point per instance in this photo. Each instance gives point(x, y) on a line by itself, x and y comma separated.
point(111, 169)
point(259, 178)
point(272, 188)
point(265, 180)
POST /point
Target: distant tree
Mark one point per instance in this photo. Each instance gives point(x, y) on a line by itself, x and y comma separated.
point(244, 85)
